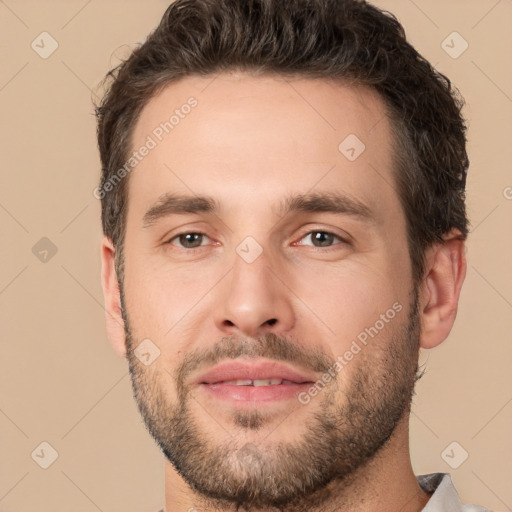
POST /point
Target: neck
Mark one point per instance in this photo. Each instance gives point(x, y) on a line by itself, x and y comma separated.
point(387, 482)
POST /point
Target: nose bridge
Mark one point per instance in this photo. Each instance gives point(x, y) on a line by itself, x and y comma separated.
point(252, 299)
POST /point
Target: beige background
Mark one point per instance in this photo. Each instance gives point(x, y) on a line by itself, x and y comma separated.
point(60, 380)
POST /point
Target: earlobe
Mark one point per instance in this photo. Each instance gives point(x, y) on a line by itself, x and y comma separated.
point(112, 297)
point(440, 290)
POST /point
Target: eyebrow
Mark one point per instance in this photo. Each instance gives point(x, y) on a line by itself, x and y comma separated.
point(177, 204)
point(326, 202)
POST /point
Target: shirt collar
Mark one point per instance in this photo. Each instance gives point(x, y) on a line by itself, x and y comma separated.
point(444, 497)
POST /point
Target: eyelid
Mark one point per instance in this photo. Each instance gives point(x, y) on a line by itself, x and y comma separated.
point(335, 245)
point(345, 237)
point(177, 235)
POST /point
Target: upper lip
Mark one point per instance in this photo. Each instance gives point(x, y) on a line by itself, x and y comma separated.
point(254, 370)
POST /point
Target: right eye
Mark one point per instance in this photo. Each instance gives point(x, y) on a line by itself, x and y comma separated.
point(188, 240)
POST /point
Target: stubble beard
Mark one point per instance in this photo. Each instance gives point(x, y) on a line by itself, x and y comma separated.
point(340, 438)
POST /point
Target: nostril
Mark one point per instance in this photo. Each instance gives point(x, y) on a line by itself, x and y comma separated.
point(272, 321)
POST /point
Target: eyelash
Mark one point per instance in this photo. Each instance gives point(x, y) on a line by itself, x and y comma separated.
point(342, 240)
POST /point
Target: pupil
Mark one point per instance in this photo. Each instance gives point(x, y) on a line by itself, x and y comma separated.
point(322, 238)
point(187, 240)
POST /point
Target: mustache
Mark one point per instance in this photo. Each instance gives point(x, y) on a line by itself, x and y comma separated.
point(270, 346)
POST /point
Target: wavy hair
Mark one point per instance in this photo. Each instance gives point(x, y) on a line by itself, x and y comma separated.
point(350, 40)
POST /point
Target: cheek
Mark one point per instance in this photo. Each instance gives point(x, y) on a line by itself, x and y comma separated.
point(161, 307)
point(158, 299)
point(347, 298)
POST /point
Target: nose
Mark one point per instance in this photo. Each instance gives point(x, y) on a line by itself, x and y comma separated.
point(252, 300)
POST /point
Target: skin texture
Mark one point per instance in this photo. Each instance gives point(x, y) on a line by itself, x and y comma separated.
point(250, 143)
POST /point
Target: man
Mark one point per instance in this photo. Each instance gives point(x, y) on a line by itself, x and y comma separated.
point(283, 208)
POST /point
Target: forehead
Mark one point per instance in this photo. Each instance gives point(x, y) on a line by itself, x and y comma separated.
point(242, 138)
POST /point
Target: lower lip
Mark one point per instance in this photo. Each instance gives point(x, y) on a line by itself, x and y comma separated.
point(255, 394)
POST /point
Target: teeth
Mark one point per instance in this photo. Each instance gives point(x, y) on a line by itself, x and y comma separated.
point(267, 382)
point(245, 382)
point(257, 382)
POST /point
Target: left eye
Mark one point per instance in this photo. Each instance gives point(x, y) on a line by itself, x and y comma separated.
point(189, 240)
point(321, 238)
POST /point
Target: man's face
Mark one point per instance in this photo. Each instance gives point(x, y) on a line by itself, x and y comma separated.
point(295, 294)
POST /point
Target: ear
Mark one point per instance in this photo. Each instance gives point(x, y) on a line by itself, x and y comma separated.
point(112, 297)
point(445, 270)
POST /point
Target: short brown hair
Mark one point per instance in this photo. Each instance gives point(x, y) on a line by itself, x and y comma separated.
point(350, 40)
